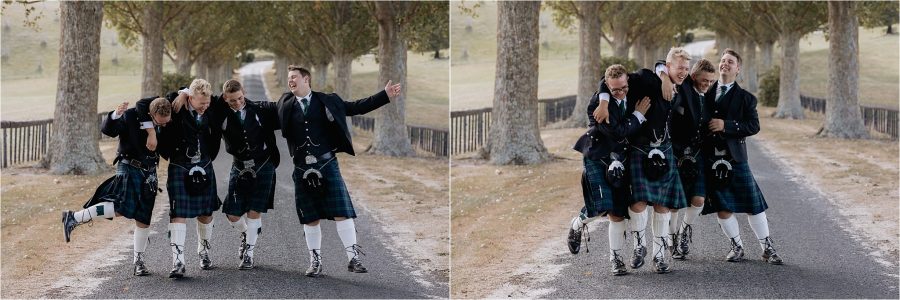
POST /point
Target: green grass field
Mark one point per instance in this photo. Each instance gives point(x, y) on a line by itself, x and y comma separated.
point(29, 95)
point(472, 79)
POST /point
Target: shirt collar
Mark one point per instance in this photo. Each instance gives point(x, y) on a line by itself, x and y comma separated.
point(308, 96)
point(728, 85)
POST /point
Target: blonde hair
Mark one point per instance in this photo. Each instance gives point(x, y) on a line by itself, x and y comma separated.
point(615, 71)
point(200, 87)
point(677, 52)
point(161, 107)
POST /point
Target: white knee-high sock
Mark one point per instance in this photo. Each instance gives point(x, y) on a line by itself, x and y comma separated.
point(313, 239)
point(760, 226)
point(346, 229)
point(254, 228)
point(660, 232)
point(637, 225)
point(204, 233)
point(673, 222)
point(141, 239)
point(731, 229)
point(691, 213)
point(177, 232)
point(616, 237)
point(240, 224)
point(100, 210)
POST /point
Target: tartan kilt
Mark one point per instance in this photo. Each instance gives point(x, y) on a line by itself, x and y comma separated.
point(599, 197)
point(666, 191)
point(184, 205)
point(741, 196)
point(261, 199)
point(334, 203)
point(125, 190)
point(696, 187)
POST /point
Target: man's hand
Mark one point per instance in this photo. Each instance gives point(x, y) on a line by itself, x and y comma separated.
point(716, 125)
point(392, 90)
point(121, 109)
point(668, 88)
point(643, 106)
point(151, 139)
point(179, 102)
point(601, 113)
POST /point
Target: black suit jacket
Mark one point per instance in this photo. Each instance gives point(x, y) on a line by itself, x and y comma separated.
point(603, 138)
point(690, 124)
point(174, 135)
point(268, 117)
point(337, 111)
point(132, 139)
point(738, 110)
point(642, 84)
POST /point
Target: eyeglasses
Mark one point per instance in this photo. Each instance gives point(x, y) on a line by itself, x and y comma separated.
point(620, 90)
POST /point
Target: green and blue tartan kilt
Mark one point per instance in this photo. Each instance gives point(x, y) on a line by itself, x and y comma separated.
point(696, 187)
point(599, 197)
point(666, 191)
point(184, 205)
point(741, 196)
point(334, 203)
point(259, 200)
point(126, 192)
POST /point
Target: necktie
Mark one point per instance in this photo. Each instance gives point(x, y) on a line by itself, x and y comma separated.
point(724, 90)
point(196, 117)
point(238, 114)
point(622, 106)
point(304, 104)
point(702, 100)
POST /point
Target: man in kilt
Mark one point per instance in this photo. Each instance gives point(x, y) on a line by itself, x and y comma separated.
point(654, 177)
point(131, 193)
point(315, 126)
point(689, 129)
point(249, 133)
point(604, 181)
point(190, 144)
point(732, 186)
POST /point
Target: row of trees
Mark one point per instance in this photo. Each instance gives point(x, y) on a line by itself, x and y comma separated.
point(640, 27)
point(210, 36)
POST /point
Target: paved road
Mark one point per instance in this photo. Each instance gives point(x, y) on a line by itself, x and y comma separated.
point(281, 257)
point(822, 260)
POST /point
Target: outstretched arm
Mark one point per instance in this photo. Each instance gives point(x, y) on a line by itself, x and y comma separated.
point(365, 105)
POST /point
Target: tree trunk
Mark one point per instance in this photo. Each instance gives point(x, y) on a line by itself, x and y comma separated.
point(281, 71)
point(437, 53)
point(889, 30)
point(391, 136)
point(213, 76)
point(201, 67)
point(589, 71)
point(843, 118)
point(152, 50)
point(183, 61)
point(766, 51)
point(789, 89)
point(74, 147)
point(514, 137)
point(751, 74)
point(320, 77)
point(639, 52)
point(342, 81)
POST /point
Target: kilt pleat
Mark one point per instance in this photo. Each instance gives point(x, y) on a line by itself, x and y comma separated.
point(600, 198)
point(666, 191)
point(185, 205)
point(259, 200)
point(334, 203)
point(741, 196)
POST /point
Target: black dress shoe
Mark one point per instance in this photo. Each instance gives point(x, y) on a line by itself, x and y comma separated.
point(243, 246)
point(769, 254)
point(69, 223)
point(356, 266)
point(139, 268)
point(205, 262)
point(637, 260)
point(737, 252)
point(177, 270)
point(660, 265)
point(618, 267)
point(247, 263)
point(315, 265)
point(575, 237)
point(681, 246)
